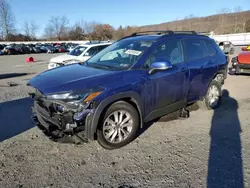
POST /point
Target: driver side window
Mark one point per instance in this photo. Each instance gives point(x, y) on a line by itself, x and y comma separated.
point(170, 50)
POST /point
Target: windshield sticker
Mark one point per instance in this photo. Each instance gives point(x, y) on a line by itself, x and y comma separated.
point(133, 52)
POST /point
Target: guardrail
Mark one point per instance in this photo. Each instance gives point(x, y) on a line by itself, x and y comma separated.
point(43, 42)
point(239, 39)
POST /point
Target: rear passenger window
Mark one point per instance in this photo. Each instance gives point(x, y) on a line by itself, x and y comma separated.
point(193, 49)
point(210, 48)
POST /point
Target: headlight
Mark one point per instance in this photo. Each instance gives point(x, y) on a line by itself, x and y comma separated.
point(71, 61)
point(75, 97)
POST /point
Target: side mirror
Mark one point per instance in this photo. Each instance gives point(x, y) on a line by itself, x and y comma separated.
point(163, 65)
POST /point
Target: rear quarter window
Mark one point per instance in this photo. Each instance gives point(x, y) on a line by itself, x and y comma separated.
point(210, 49)
point(193, 49)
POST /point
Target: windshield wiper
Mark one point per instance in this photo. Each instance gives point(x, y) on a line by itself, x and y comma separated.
point(100, 66)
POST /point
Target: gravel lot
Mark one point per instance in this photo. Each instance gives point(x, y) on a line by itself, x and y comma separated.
point(210, 149)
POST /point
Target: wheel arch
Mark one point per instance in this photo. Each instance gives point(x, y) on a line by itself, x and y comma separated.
point(130, 97)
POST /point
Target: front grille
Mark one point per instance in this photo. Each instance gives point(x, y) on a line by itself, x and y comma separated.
point(48, 112)
point(47, 116)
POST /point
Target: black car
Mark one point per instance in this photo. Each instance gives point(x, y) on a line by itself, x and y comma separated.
point(10, 50)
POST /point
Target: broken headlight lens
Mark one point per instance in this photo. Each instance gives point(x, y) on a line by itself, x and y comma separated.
point(75, 98)
point(64, 96)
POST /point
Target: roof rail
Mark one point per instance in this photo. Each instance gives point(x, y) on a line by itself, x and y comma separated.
point(185, 32)
point(159, 32)
point(170, 32)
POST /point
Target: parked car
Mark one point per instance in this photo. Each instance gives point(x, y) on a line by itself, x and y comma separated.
point(227, 47)
point(240, 64)
point(70, 47)
point(79, 54)
point(37, 49)
point(10, 50)
point(247, 48)
point(133, 81)
point(1, 47)
point(61, 49)
point(22, 49)
point(48, 49)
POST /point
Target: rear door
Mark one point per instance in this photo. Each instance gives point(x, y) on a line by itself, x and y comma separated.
point(195, 59)
point(210, 66)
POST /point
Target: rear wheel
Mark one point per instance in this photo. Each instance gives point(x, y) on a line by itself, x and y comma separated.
point(212, 100)
point(118, 126)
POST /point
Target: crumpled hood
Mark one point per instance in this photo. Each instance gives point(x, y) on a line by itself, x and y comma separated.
point(61, 58)
point(72, 78)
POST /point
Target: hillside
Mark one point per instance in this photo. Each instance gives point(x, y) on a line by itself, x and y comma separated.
point(219, 23)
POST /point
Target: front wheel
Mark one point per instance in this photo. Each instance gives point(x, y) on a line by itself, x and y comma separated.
point(119, 126)
point(212, 100)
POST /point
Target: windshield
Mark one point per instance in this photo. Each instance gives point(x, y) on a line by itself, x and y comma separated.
point(77, 51)
point(120, 55)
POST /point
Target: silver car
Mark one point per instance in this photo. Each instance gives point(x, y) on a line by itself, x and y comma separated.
point(227, 47)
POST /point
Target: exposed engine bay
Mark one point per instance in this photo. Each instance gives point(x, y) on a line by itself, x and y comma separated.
point(61, 120)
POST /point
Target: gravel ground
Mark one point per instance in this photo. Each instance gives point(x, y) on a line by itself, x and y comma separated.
point(210, 149)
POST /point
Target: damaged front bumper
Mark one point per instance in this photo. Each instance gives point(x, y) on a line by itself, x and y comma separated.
point(61, 124)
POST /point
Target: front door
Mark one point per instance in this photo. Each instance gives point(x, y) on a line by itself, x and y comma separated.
point(168, 88)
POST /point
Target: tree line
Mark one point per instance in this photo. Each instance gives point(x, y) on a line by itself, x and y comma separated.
point(59, 28)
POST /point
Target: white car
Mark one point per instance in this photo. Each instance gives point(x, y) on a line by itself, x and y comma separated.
point(80, 53)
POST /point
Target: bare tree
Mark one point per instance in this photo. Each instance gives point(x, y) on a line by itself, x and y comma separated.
point(189, 21)
point(30, 29)
point(222, 13)
point(103, 32)
point(237, 11)
point(26, 28)
point(33, 29)
point(57, 27)
point(89, 28)
point(6, 18)
point(247, 26)
point(76, 32)
point(119, 33)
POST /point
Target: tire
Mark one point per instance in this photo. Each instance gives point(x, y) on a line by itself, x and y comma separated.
point(132, 128)
point(205, 103)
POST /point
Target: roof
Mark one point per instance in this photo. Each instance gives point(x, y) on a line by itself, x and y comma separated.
point(144, 35)
point(96, 44)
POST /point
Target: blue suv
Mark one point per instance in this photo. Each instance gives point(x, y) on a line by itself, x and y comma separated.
point(135, 80)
